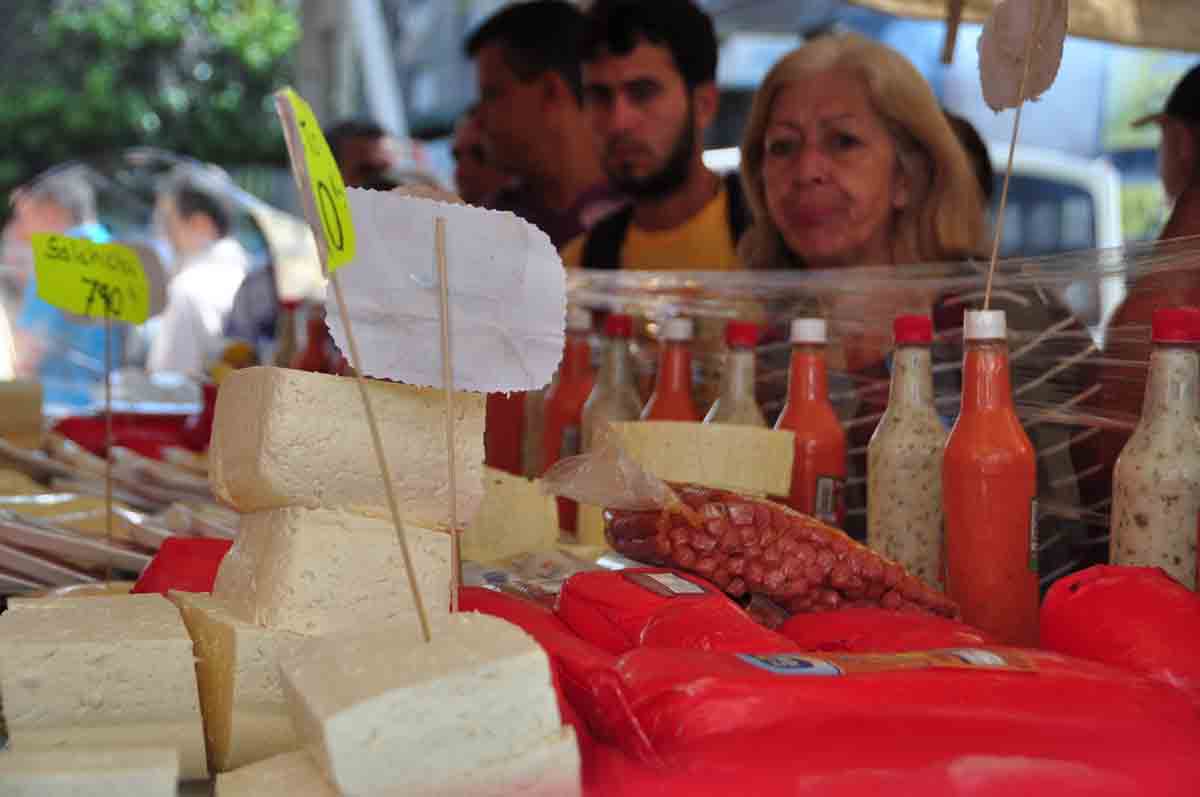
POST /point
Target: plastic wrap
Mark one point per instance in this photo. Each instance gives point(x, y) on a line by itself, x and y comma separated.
point(1078, 335)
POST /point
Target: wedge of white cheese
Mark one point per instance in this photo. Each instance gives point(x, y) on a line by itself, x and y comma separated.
point(385, 716)
point(291, 438)
point(21, 413)
point(315, 571)
point(287, 775)
point(101, 673)
point(515, 517)
point(136, 772)
point(237, 670)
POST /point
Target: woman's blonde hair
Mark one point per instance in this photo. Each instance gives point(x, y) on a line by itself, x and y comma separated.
point(943, 219)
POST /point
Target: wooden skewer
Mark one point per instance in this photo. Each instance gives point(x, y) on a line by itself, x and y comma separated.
point(1012, 148)
point(377, 442)
point(108, 442)
point(439, 237)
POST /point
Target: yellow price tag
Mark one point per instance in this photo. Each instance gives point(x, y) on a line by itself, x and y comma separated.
point(326, 193)
point(90, 279)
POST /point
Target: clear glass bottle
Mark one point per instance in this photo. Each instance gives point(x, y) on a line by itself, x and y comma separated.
point(904, 459)
point(989, 490)
point(736, 402)
point(1156, 479)
point(819, 467)
point(615, 395)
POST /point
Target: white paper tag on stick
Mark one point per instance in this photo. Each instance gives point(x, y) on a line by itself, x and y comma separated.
point(1004, 42)
point(507, 294)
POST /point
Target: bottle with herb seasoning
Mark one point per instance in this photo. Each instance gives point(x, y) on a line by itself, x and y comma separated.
point(615, 396)
point(989, 489)
point(1156, 480)
point(904, 459)
point(736, 403)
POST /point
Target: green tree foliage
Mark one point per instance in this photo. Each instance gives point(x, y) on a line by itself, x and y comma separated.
point(82, 77)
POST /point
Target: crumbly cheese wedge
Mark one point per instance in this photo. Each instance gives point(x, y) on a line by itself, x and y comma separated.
point(101, 673)
point(515, 517)
point(237, 670)
point(21, 413)
point(383, 715)
point(741, 458)
point(144, 772)
point(288, 775)
point(315, 571)
point(291, 438)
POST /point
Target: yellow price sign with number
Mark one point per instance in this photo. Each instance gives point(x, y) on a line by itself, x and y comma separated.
point(319, 178)
point(90, 279)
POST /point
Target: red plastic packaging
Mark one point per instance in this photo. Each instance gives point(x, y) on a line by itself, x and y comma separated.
point(1136, 618)
point(187, 564)
point(868, 630)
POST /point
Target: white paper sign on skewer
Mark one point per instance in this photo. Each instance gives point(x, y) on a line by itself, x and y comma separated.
point(507, 295)
point(1006, 39)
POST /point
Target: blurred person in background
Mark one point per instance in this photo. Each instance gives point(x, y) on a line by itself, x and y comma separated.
point(527, 63)
point(848, 160)
point(64, 352)
point(210, 265)
point(977, 153)
point(476, 178)
point(650, 92)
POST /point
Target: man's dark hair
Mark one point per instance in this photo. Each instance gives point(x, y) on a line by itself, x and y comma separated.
point(341, 132)
point(618, 26)
point(190, 199)
point(536, 37)
point(977, 153)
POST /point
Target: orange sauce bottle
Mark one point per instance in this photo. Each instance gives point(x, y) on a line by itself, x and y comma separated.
point(989, 486)
point(563, 433)
point(672, 396)
point(819, 467)
point(503, 431)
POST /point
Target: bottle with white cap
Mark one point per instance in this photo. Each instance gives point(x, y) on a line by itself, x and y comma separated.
point(563, 430)
point(672, 396)
point(1156, 480)
point(819, 466)
point(989, 489)
point(904, 459)
point(615, 396)
point(736, 403)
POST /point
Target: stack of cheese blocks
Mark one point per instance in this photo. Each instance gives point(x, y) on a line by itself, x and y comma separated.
point(312, 600)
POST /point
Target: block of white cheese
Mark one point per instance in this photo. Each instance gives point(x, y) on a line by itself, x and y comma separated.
point(292, 774)
point(742, 458)
point(382, 715)
point(21, 413)
point(135, 772)
point(237, 670)
point(292, 438)
point(101, 673)
point(515, 517)
point(314, 571)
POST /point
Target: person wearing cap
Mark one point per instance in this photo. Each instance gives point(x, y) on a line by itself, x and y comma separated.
point(1120, 380)
point(64, 352)
point(649, 88)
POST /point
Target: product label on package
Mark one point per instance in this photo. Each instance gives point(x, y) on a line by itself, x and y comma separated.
point(828, 502)
point(837, 664)
point(1033, 535)
point(668, 585)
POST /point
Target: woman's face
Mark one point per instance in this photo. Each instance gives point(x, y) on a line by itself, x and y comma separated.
point(830, 172)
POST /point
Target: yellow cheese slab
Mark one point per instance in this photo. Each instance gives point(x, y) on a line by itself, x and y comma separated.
point(515, 517)
point(21, 413)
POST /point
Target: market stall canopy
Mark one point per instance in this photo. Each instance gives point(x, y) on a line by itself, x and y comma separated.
point(1165, 24)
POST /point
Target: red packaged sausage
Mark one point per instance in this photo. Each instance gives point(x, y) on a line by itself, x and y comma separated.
point(869, 630)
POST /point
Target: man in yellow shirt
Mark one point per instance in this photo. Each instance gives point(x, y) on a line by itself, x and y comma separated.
point(649, 83)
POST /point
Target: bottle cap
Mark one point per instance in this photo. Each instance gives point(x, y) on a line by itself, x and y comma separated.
point(1175, 325)
point(985, 325)
point(741, 333)
point(677, 329)
point(579, 319)
point(912, 329)
point(809, 330)
point(291, 305)
point(618, 325)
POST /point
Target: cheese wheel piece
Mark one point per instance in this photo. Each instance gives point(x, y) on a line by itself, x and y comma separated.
point(21, 413)
point(382, 715)
point(315, 571)
point(740, 458)
point(292, 438)
point(101, 673)
point(515, 517)
point(288, 775)
point(147, 772)
point(237, 670)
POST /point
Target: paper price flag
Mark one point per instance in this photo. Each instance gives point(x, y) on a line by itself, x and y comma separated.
point(1015, 28)
point(507, 295)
